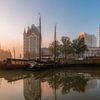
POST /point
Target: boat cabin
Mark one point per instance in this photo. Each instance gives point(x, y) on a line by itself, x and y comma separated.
point(16, 61)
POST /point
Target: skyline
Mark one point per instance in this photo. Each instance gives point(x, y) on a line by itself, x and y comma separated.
point(71, 16)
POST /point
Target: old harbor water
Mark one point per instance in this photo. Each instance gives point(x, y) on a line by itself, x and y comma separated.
point(65, 84)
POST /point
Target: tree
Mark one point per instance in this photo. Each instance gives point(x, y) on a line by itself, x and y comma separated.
point(79, 46)
point(58, 46)
point(66, 47)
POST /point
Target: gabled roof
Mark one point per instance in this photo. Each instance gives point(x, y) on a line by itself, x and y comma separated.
point(32, 29)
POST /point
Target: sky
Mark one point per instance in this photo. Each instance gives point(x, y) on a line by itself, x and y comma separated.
point(71, 16)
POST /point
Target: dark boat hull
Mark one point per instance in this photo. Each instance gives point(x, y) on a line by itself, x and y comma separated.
point(47, 66)
point(56, 66)
point(13, 66)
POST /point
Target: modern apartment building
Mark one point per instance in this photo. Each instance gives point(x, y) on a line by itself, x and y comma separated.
point(90, 40)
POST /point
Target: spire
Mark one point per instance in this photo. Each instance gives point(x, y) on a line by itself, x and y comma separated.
point(24, 31)
point(28, 29)
point(32, 26)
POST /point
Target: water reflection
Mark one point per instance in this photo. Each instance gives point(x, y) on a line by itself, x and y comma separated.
point(55, 84)
point(32, 89)
point(65, 82)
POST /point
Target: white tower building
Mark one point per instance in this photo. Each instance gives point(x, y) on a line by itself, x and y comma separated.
point(32, 42)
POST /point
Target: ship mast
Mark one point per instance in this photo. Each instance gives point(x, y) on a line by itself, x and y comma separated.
point(40, 37)
point(55, 43)
point(99, 36)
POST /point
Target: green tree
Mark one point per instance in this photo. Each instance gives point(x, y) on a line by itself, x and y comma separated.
point(79, 46)
point(58, 48)
point(66, 47)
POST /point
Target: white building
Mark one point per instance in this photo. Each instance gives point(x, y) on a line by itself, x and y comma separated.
point(90, 40)
point(46, 52)
point(92, 52)
point(31, 42)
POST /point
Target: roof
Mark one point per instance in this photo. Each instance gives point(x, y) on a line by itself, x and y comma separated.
point(32, 29)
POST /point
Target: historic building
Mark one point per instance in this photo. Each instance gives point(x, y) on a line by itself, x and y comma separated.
point(32, 42)
point(90, 40)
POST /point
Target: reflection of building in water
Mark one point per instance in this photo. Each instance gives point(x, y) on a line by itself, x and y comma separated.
point(91, 84)
point(32, 89)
